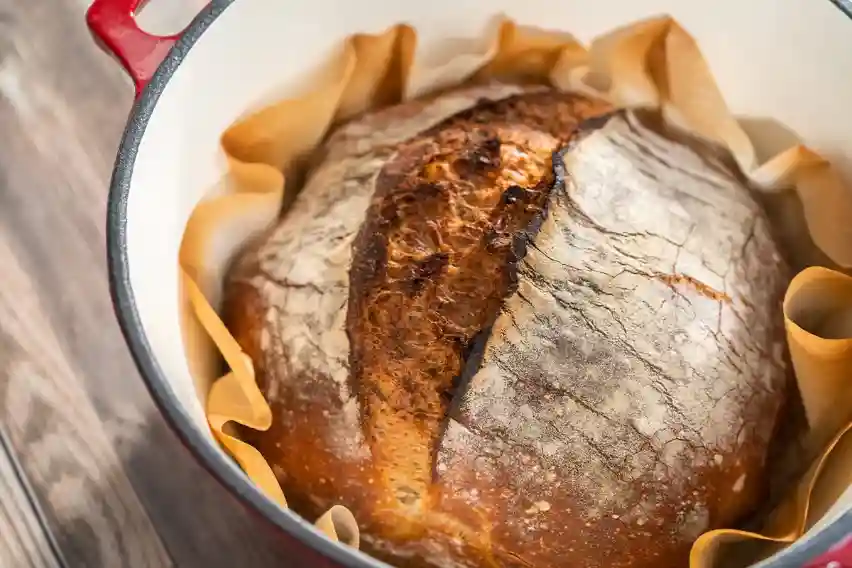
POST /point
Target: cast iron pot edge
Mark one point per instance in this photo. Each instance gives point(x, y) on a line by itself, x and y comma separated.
point(221, 467)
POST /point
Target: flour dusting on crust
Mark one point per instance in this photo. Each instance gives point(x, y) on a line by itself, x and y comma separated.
point(639, 351)
point(304, 265)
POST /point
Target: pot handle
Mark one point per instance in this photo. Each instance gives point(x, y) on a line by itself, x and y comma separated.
point(114, 27)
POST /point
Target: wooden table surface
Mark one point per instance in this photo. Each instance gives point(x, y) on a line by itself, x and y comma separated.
point(90, 474)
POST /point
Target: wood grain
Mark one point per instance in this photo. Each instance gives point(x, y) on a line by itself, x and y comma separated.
point(25, 539)
point(115, 485)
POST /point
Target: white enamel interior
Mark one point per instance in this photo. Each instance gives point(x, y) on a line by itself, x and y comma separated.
point(791, 61)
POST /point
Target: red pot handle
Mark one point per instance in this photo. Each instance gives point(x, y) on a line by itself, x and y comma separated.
point(113, 24)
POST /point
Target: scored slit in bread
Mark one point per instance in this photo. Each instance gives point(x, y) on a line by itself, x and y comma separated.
point(503, 334)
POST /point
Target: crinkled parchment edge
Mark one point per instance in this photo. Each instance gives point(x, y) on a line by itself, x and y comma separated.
point(651, 64)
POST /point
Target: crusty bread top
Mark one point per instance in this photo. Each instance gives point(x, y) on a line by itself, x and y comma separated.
point(495, 356)
point(434, 260)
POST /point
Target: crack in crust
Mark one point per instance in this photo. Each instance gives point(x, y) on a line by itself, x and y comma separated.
point(497, 362)
point(641, 396)
point(434, 261)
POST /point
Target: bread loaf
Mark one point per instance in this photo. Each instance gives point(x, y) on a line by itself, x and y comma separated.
point(509, 326)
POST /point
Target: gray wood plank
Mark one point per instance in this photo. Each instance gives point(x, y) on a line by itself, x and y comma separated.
point(26, 540)
point(90, 505)
point(116, 486)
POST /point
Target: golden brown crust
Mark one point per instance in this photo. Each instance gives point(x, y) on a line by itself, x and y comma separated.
point(396, 285)
point(290, 445)
point(432, 264)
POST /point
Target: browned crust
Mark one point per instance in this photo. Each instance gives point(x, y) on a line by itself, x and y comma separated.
point(433, 262)
point(431, 267)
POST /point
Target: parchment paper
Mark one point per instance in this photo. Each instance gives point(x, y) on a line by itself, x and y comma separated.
point(653, 64)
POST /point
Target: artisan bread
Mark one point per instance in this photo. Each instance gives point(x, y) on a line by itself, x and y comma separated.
point(509, 326)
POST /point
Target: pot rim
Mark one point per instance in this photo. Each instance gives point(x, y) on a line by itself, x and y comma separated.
point(214, 461)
